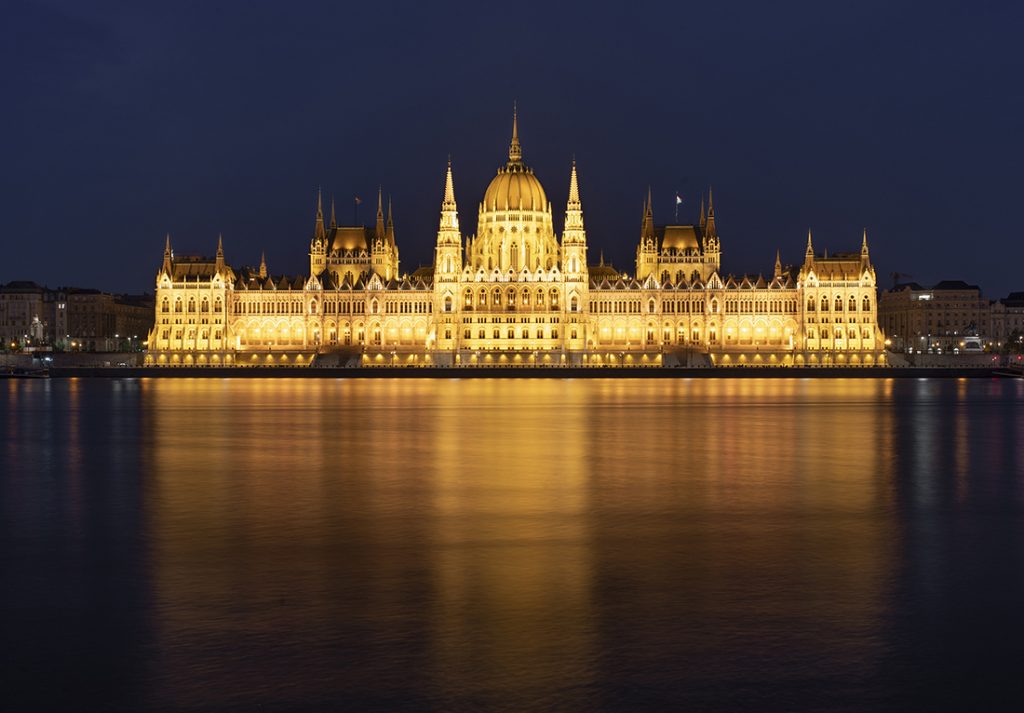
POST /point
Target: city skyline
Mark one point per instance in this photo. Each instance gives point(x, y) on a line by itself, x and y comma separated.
point(836, 121)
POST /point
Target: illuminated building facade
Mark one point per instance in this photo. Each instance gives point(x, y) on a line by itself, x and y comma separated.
point(516, 293)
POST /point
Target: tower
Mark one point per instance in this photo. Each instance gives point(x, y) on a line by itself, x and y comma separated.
point(448, 252)
point(574, 237)
point(318, 244)
point(647, 251)
point(712, 245)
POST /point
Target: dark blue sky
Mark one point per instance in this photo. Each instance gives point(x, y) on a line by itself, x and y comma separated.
point(125, 121)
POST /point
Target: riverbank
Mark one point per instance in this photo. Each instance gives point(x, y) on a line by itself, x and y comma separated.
point(468, 372)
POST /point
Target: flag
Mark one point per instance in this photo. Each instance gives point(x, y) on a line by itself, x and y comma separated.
point(358, 200)
point(679, 199)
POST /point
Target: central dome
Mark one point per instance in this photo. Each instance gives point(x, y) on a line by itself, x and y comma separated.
point(515, 187)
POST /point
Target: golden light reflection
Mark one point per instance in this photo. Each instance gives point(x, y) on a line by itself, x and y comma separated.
point(473, 518)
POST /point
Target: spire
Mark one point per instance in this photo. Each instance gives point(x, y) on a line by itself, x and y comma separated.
point(449, 189)
point(168, 256)
point(810, 248)
point(709, 222)
point(602, 257)
point(647, 230)
point(574, 190)
point(390, 234)
point(263, 265)
point(380, 212)
point(778, 264)
point(702, 219)
point(864, 243)
point(515, 151)
point(574, 213)
point(448, 228)
point(334, 221)
point(220, 252)
point(318, 230)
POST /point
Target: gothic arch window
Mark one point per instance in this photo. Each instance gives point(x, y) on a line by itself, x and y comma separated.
point(496, 297)
point(695, 276)
point(165, 306)
point(510, 302)
point(514, 257)
point(312, 307)
point(664, 277)
point(824, 304)
point(554, 299)
point(482, 297)
point(574, 304)
point(469, 298)
point(839, 303)
point(218, 306)
point(374, 307)
point(810, 304)
point(191, 305)
point(866, 304)
point(714, 306)
point(650, 306)
point(526, 297)
point(853, 303)
point(447, 304)
point(204, 306)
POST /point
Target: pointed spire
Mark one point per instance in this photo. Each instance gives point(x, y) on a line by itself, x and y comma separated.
point(390, 234)
point(810, 248)
point(515, 151)
point(574, 233)
point(602, 257)
point(448, 229)
point(380, 212)
point(334, 221)
point(166, 267)
point(778, 264)
point(263, 265)
point(709, 221)
point(702, 218)
point(220, 244)
point(647, 230)
point(449, 189)
point(574, 189)
point(318, 230)
point(864, 243)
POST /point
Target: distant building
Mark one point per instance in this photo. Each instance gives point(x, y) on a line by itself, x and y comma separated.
point(102, 322)
point(31, 316)
point(1008, 320)
point(72, 318)
point(937, 317)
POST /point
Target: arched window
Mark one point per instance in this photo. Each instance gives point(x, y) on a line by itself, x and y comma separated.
point(839, 303)
point(469, 299)
point(664, 277)
point(824, 304)
point(554, 299)
point(853, 303)
point(574, 305)
point(165, 306)
point(650, 306)
point(447, 304)
point(526, 297)
point(866, 304)
point(204, 306)
point(714, 306)
point(482, 297)
point(810, 304)
point(695, 277)
point(496, 297)
point(374, 306)
point(540, 297)
point(312, 307)
point(514, 257)
point(218, 306)
point(191, 305)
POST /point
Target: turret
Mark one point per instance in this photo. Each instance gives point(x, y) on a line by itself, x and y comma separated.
point(574, 237)
point(318, 244)
point(263, 265)
point(778, 265)
point(167, 268)
point(448, 253)
point(220, 254)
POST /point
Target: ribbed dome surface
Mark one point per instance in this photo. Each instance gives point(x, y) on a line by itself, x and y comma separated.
point(514, 188)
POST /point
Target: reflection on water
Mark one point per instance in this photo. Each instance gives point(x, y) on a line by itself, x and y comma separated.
point(761, 544)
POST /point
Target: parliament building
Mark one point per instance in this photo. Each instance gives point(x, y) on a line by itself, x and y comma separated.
point(516, 293)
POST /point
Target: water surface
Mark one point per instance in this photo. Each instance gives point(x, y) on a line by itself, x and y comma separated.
point(280, 545)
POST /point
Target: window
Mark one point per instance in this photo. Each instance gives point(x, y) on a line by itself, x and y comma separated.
point(165, 307)
point(866, 304)
point(574, 305)
point(810, 304)
point(447, 304)
point(824, 304)
point(853, 303)
point(839, 303)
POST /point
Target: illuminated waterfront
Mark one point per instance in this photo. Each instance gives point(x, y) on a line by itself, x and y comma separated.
point(748, 544)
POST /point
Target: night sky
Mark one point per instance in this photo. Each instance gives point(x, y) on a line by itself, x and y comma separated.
point(126, 121)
